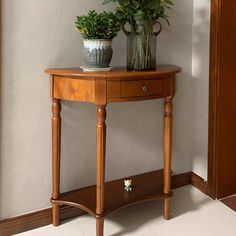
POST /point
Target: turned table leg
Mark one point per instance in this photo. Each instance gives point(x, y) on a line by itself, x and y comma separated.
point(56, 147)
point(100, 167)
point(167, 154)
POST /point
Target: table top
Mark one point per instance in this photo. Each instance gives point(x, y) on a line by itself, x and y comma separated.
point(118, 85)
point(115, 72)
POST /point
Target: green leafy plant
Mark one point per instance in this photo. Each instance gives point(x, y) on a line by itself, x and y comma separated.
point(104, 25)
point(142, 15)
point(150, 10)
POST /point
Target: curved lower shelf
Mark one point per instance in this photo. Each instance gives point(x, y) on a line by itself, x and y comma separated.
point(146, 187)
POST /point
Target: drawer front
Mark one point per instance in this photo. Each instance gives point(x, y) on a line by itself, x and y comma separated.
point(141, 88)
point(74, 89)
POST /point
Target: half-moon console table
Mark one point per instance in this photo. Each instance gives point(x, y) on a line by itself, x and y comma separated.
point(102, 88)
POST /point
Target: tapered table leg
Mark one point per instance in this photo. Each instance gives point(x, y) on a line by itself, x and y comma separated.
point(99, 226)
point(100, 166)
point(56, 149)
point(168, 107)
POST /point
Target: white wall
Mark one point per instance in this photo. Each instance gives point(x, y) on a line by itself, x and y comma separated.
point(200, 73)
point(41, 34)
point(176, 48)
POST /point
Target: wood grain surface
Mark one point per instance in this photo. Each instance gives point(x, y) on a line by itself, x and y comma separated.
point(222, 109)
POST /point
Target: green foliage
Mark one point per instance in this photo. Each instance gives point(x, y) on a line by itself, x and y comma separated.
point(104, 25)
point(149, 10)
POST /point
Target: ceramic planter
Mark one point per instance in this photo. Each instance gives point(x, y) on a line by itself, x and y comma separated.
point(97, 54)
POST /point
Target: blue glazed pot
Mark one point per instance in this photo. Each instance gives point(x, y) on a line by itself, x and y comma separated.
point(97, 53)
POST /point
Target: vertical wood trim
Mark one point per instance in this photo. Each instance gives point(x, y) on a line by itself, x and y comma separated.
point(0, 77)
point(213, 98)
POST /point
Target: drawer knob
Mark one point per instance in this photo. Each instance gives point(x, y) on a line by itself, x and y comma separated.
point(145, 88)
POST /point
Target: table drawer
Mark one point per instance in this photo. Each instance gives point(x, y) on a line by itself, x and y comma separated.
point(141, 88)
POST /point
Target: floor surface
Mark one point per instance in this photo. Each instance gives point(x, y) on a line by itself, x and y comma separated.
point(194, 214)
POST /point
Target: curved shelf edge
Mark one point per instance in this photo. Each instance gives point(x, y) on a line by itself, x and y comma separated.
point(77, 205)
point(146, 187)
point(111, 210)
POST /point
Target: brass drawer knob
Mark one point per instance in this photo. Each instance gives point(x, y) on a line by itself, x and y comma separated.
point(145, 88)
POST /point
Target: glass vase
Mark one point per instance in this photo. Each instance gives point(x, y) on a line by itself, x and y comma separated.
point(141, 46)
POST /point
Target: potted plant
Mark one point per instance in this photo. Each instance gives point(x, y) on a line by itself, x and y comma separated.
point(142, 15)
point(98, 30)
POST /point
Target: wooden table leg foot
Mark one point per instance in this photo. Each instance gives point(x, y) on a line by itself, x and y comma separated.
point(99, 226)
point(166, 211)
point(55, 215)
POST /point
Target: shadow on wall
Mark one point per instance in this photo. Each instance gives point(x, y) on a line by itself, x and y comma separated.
point(183, 123)
point(78, 145)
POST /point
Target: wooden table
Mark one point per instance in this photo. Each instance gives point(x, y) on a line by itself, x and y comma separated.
point(102, 88)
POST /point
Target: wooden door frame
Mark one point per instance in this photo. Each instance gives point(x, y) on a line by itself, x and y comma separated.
point(214, 77)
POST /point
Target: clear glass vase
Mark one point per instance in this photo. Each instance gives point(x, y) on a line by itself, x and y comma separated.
point(141, 46)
